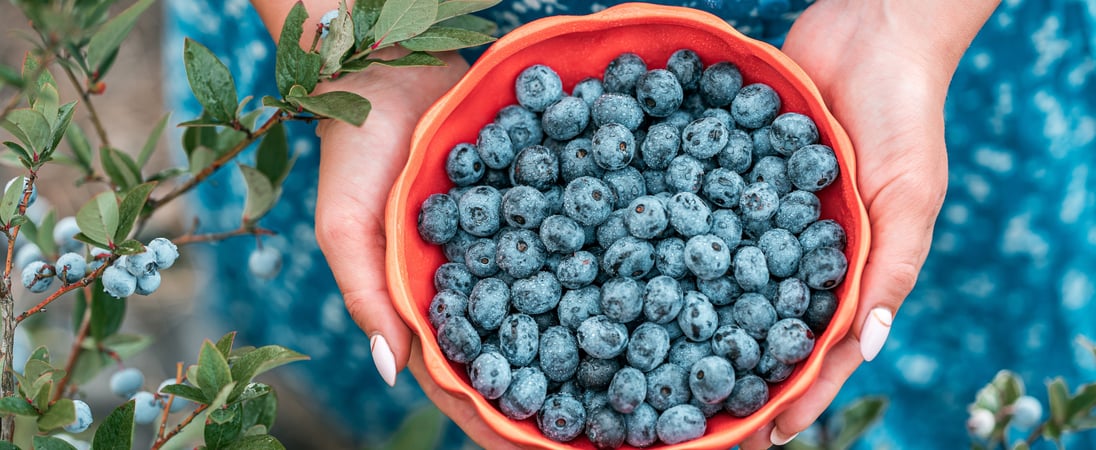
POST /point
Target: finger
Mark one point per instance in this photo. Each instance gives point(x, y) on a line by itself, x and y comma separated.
point(462, 413)
point(838, 366)
point(759, 439)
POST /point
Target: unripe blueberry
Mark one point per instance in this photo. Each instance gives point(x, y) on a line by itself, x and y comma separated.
point(166, 252)
point(63, 235)
point(37, 276)
point(126, 382)
point(178, 403)
point(27, 254)
point(83, 417)
point(118, 282)
point(70, 267)
point(1026, 412)
point(147, 407)
point(265, 262)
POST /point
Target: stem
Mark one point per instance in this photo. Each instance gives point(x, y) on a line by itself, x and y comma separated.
point(7, 313)
point(99, 129)
point(77, 345)
point(214, 237)
point(167, 437)
point(170, 398)
point(84, 282)
point(1038, 431)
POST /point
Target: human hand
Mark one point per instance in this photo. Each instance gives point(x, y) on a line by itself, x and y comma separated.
point(883, 69)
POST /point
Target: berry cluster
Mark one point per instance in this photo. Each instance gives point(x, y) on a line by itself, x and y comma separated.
point(138, 273)
point(129, 382)
point(635, 257)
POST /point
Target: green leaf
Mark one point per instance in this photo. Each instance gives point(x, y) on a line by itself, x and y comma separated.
point(258, 361)
point(211, 81)
point(47, 103)
point(1021, 445)
point(365, 13)
point(167, 174)
point(98, 218)
point(51, 443)
point(213, 371)
point(253, 391)
point(188, 392)
point(106, 40)
point(293, 65)
point(277, 103)
point(228, 139)
point(193, 138)
point(10, 76)
point(16, 405)
point(30, 127)
point(413, 59)
point(272, 156)
point(261, 195)
point(421, 429)
point(31, 65)
point(401, 20)
point(1083, 423)
point(5, 445)
point(224, 344)
point(856, 418)
point(133, 203)
point(441, 39)
point(223, 427)
point(60, 127)
point(260, 410)
point(471, 23)
point(78, 142)
point(87, 240)
point(453, 8)
point(202, 122)
point(1058, 395)
point(42, 234)
point(23, 155)
point(120, 167)
point(59, 414)
point(1009, 386)
point(116, 431)
point(201, 158)
point(340, 38)
point(340, 105)
point(247, 121)
point(261, 442)
point(1081, 403)
point(128, 247)
point(150, 143)
point(13, 196)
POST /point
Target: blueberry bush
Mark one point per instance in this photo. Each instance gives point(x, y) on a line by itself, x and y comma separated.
point(100, 256)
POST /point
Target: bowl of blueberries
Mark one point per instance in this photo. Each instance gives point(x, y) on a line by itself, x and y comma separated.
point(633, 229)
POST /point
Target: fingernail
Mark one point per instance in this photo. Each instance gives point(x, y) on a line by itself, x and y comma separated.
point(383, 358)
point(778, 438)
point(874, 332)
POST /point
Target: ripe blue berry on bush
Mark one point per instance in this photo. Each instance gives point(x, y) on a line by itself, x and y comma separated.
point(649, 253)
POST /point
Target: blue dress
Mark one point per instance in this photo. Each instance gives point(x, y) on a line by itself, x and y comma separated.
point(1007, 285)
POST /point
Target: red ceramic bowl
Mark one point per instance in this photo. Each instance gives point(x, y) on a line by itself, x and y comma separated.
point(578, 47)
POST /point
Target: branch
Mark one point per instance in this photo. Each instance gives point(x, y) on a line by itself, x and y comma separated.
point(167, 437)
point(77, 345)
point(215, 237)
point(99, 129)
point(170, 398)
point(87, 280)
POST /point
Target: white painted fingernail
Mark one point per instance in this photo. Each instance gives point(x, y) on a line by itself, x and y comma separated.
point(778, 438)
point(874, 332)
point(383, 358)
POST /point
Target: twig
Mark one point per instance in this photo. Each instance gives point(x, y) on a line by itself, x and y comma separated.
point(170, 398)
point(7, 314)
point(87, 280)
point(214, 237)
point(99, 129)
point(167, 437)
point(77, 344)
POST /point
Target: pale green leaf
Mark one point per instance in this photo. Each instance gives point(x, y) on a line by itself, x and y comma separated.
point(422, 429)
point(441, 39)
point(453, 8)
point(340, 105)
point(13, 196)
point(60, 413)
point(260, 442)
point(213, 370)
point(30, 127)
point(132, 205)
point(261, 194)
point(98, 218)
point(258, 361)
point(856, 418)
point(106, 40)
point(272, 156)
point(471, 23)
point(47, 103)
point(201, 158)
point(400, 20)
point(340, 38)
point(150, 143)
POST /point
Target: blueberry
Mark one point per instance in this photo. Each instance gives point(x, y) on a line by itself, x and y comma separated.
point(797, 210)
point(522, 207)
point(463, 165)
point(790, 341)
point(536, 294)
point(627, 390)
point(623, 72)
point(70, 268)
point(600, 337)
point(684, 352)
point(445, 305)
point(754, 314)
point(521, 125)
point(720, 114)
point(719, 83)
point(577, 160)
point(479, 211)
point(723, 187)
point(558, 353)
point(33, 190)
point(545, 320)
point(126, 382)
point(655, 181)
point(141, 263)
point(456, 248)
point(562, 418)
point(737, 346)
point(118, 282)
point(667, 386)
point(588, 200)
point(628, 257)
point(148, 283)
point(659, 93)
point(526, 394)
point(536, 166)
point(641, 425)
point(772, 170)
point(759, 201)
point(561, 234)
point(737, 155)
point(771, 369)
point(720, 291)
point(749, 395)
point(83, 418)
point(1026, 412)
point(750, 268)
point(454, 276)
point(520, 253)
point(697, 319)
point(663, 299)
point(661, 145)
point(479, 259)
point(782, 252)
point(617, 108)
point(177, 403)
point(647, 347)
point(707, 256)
point(490, 375)
point(727, 226)
point(681, 423)
point(686, 65)
point(823, 268)
point(646, 217)
point(166, 252)
point(589, 89)
point(537, 87)
point(578, 305)
point(792, 298)
point(27, 254)
point(147, 407)
point(577, 270)
point(820, 310)
point(459, 340)
point(613, 146)
point(762, 146)
point(494, 146)
point(670, 257)
point(689, 214)
point(612, 229)
point(519, 339)
point(438, 218)
point(823, 233)
point(790, 131)
point(685, 174)
point(64, 235)
point(566, 118)
point(704, 137)
point(755, 106)
point(813, 167)
point(594, 399)
point(595, 374)
point(711, 379)
point(627, 184)
point(605, 428)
